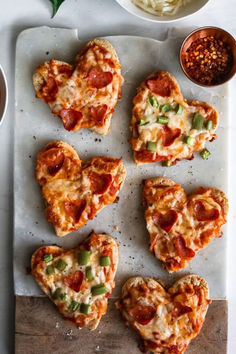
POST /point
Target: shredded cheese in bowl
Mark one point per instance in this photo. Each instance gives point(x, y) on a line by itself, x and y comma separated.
point(160, 7)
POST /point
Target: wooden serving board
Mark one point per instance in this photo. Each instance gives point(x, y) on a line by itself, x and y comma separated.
point(40, 329)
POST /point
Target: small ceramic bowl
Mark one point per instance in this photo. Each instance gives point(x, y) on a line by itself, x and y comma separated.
point(3, 95)
point(185, 11)
point(219, 34)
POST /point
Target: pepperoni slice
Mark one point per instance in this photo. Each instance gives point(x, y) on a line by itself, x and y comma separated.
point(75, 209)
point(70, 118)
point(169, 135)
point(97, 113)
point(183, 251)
point(162, 86)
point(99, 184)
point(54, 166)
point(143, 314)
point(99, 79)
point(74, 281)
point(180, 309)
point(49, 89)
point(167, 220)
point(203, 214)
point(148, 156)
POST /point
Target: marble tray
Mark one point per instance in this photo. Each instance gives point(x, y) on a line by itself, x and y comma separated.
point(35, 126)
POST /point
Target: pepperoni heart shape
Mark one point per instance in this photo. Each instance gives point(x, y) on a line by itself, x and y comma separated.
point(54, 167)
point(160, 86)
point(99, 79)
point(99, 183)
point(204, 214)
point(169, 135)
point(70, 118)
point(183, 251)
point(75, 209)
point(143, 314)
point(49, 89)
point(166, 221)
point(75, 280)
point(97, 113)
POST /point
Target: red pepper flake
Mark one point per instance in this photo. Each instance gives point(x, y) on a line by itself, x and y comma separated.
point(208, 60)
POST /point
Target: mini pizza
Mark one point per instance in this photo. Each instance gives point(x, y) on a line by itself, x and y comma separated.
point(75, 191)
point(166, 127)
point(181, 225)
point(166, 320)
point(84, 95)
point(79, 280)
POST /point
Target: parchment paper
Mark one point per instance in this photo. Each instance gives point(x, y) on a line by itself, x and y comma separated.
point(35, 126)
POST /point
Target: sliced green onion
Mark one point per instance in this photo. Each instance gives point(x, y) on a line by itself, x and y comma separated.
point(209, 125)
point(163, 120)
point(166, 163)
point(205, 154)
point(166, 108)
point(104, 261)
point(85, 308)
point(83, 257)
point(179, 109)
point(189, 140)
point(58, 295)
point(99, 290)
point(48, 258)
point(153, 101)
point(89, 273)
point(197, 122)
point(50, 270)
point(143, 122)
point(60, 264)
point(151, 146)
point(73, 306)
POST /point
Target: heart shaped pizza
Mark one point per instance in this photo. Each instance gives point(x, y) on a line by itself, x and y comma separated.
point(165, 126)
point(79, 280)
point(75, 191)
point(180, 225)
point(166, 320)
point(84, 95)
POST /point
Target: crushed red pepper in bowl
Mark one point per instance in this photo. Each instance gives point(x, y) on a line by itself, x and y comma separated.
point(208, 56)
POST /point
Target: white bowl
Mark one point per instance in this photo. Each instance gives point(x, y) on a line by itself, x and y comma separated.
point(3, 94)
point(184, 11)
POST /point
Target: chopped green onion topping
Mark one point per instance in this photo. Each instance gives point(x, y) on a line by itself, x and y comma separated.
point(60, 264)
point(83, 257)
point(151, 146)
point(48, 258)
point(189, 140)
point(205, 154)
point(99, 290)
point(153, 101)
point(166, 163)
point(73, 306)
point(50, 270)
point(197, 122)
point(166, 108)
point(85, 308)
point(89, 273)
point(143, 122)
point(163, 120)
point(58, 295)
point(209, 125)
point(104, 261)
point(178, 109)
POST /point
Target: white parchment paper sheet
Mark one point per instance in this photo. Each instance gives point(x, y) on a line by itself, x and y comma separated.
point(35, 126)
